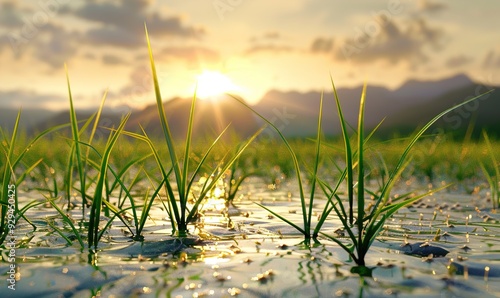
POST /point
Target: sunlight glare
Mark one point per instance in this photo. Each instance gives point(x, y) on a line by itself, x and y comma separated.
point(213, 83)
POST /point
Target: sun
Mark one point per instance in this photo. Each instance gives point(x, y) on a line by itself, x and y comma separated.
point(211, 84)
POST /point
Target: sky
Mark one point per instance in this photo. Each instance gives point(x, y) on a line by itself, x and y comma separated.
point(246, 47)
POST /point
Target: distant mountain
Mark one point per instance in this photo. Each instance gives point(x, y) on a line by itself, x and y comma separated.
point(404, 109)
point(428, 90)
point(29, 117)
point(296, 114)
point(483, 113)
point(210, 118)
point(108, 119)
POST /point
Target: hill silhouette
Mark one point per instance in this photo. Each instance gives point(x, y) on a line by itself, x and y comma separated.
point(211, 118)
point(403, 109)
point(295, 113)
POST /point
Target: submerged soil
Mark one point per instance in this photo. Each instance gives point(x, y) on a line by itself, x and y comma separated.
point(446, 245)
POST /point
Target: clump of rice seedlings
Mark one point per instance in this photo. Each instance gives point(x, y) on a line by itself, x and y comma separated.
point(363, 224)
point(102, 190)
point(306, 204)
point(493, 179)
point(183, 203)
point(13, 171)
point(99, 198)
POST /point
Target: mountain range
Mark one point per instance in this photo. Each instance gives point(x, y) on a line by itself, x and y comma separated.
point(403, 109)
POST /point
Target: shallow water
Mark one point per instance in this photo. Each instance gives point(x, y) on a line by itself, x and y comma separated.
point(248, 253)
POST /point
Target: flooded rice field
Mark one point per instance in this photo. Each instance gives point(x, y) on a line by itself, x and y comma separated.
point(445, 245)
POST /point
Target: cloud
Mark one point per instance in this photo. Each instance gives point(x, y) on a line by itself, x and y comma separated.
point(113, 36)
point(431, 6)
point(268, 42)
point(458, 61)
point(111, 59)
point(121, 23)
point(491, 60)
point(29, 99)
point(387, 40)
point(58, 47)
point(272, 48)
point(322, 45)
point(9, 15)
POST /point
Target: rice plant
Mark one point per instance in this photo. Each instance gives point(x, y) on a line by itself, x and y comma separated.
point(306, 204)
point(362, 224)
point(180, 211)
point(13, 171)
point(493, 179)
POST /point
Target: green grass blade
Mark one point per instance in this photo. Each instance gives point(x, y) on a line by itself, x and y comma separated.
point(330, 192)
point(316, 166)
point(350, 251)
point(67, 220)
point(8, 171)
point(302, 231)
point(374, 227)
point(95, 211)
point(165, 174)
point(361, 172)
point(419, 134)
point(165, 126)
point(185, 167)
point(292, 154)
point(221, 172)
point(76, 141)
point(203, 159)
point(147, 208)
point(348, 154)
